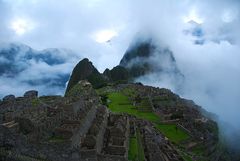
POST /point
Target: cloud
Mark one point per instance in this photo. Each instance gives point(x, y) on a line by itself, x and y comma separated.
point(23, 68)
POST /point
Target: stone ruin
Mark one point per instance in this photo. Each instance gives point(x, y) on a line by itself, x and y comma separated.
point(116, 138)
point(92, 142)
point(31, 94)
point(78, 127)
point(58, 128)
point(157, 148)
point(9, 98)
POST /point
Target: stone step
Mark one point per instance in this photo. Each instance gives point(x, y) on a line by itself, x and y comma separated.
point(8, 123)
point(12, 125)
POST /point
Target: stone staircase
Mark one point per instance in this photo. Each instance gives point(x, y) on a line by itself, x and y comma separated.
point(10, 125)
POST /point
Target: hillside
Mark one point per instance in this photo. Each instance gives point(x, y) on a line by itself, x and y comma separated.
point(117, 122)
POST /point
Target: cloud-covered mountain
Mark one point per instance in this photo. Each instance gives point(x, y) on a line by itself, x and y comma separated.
point(143, 59)
point(146, 59)
point(22, 68)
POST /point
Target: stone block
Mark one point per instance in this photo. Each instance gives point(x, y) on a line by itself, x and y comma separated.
point(31, 94)
point(9, 98)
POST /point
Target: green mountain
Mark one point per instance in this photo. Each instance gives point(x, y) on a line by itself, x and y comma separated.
point(118, 73)
point(85, 70)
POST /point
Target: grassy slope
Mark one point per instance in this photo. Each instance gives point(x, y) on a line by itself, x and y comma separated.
point(121, 104)
point(141, 156)
point(136, 150)
point(173, 133)
point(133, 151)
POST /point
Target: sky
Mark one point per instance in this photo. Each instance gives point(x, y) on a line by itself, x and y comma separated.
point(203, 35)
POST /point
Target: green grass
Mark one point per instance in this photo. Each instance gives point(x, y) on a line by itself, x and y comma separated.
point(198, 150)
point(136, 150)
point(120, 103)
point(35, 102)
point(145, 105)
point(141, 156)
point(133, 149)
point(174, 134)
point(56, 139)
point(145, 102)
point(185, 157)
point(129, 92)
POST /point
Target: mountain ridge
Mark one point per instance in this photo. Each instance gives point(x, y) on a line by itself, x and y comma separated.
point(139, 60)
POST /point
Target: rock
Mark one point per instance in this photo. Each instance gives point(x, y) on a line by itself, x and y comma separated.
point(31, 94)
point(7, 139)
point(117, 74)
point(9, 98)
point(25, 125)
point(89, 142)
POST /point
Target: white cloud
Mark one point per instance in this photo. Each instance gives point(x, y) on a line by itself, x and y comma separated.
point(193, 16)
point(104, 35)
point(22, 26)
point(229, 15)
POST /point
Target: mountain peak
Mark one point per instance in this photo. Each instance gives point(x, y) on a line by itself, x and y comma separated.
point(85, 70)
point(146, 57)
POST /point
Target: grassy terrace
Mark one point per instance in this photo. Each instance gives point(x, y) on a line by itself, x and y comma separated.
point(120, 103)
point(174, 133)
point(136, 150)
point(133, 148)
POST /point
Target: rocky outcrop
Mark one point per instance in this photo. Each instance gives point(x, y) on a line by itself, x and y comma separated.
point(31, 94)
point(9, 98)
point(117, 74)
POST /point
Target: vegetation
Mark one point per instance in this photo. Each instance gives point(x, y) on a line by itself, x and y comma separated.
point(141, 156)
point(85, 70)
point(35, 102)
point(118, 73)
point(56, 139)
point(120, 103)
point(129, 92)
point(198, 150)
point(136, 150)
point(185, 156)
point(173, 132)
point(75, 91)
point(133, 149)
